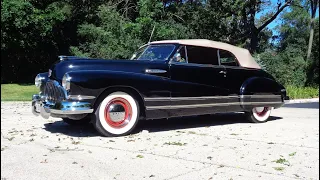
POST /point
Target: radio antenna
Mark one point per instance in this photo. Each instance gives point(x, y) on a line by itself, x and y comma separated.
point(151, 34)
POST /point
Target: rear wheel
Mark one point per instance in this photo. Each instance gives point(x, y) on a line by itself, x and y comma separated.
point(259, 114)
point(117, 114)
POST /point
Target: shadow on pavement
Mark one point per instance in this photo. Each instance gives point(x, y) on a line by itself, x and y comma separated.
point(156, 125)
point(194, 122)
point(311, 105)
point(71, 130)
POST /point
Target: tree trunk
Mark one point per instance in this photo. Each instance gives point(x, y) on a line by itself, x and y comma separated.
point(314, 6)
point(255, 31)
point(310, 39)
point(254, 40)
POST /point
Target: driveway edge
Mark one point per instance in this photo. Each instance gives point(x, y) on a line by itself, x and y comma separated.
point(301, 101)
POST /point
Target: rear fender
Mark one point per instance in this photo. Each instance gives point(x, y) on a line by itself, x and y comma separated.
point(261, 91)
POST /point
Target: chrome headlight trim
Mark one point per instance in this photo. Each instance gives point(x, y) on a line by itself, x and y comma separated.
point(38, 80)
point(66, 81)
point(49, 72)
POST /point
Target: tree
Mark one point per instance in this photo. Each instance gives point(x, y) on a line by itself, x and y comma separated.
point(114, 36)
point(291, 47)
point(28, 39)
point(313, 8)
point(250, 8)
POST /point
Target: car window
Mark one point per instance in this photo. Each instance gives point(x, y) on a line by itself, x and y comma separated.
point(156, 52)
point(138, 53)
point(202, 55)
point(227, 58)
point(180, 55)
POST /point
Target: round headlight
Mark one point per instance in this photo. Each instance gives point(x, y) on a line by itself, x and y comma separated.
point(38, 80)
point(66, 81)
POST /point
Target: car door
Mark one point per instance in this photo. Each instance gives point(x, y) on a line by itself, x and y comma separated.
point(235, 74)
point(196, 80)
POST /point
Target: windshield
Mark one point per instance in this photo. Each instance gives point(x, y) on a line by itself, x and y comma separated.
point(154, 52)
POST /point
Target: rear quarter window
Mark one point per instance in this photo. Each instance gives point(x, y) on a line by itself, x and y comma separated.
point(227, 58)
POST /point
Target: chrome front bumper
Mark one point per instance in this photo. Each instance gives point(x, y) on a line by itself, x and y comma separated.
point(45, 108)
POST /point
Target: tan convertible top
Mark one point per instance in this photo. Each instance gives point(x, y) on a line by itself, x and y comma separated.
point(243, 55)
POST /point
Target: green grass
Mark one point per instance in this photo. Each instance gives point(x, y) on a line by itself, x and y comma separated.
point(18, 92)
point(302, 92)
point(279, 168)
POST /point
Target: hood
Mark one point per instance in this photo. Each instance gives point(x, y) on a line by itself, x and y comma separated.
point(137, 66)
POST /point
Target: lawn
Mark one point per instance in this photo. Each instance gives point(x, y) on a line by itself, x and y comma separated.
point(18, 92)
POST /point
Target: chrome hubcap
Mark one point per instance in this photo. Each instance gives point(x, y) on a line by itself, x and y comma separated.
point(117, 112)
point(261, 111)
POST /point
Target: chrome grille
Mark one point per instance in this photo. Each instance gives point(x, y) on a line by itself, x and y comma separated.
point(54, 92)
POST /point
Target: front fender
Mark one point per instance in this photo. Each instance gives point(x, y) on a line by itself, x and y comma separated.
point(94, 83)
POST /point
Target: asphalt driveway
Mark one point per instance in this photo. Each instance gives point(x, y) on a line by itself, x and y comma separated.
point(221, 146)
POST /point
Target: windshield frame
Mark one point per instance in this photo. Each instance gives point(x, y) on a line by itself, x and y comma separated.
point(146, 46)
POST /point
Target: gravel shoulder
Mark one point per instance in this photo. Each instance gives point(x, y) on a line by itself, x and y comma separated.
point(221, 146)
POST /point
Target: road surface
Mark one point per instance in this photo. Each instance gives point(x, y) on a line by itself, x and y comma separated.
point(221, 146)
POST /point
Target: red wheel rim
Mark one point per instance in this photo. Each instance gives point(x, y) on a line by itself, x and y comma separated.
point(118, 112)
point(261, 113)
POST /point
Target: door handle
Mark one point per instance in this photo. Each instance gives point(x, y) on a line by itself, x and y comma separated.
point(155, 71)
point(223, 72)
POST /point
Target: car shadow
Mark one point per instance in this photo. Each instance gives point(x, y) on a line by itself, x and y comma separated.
point(159, 125)
point(71, 130)
point(156, 125)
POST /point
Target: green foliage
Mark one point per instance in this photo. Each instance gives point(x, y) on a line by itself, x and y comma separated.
point(114, 36)
point(27, 37)
point(34, 33)
point(287, 67)
point(302, 92)
point(313, 62)
point(108, 40)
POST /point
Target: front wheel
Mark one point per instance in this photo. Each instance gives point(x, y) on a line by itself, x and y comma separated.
point(259, 114)
point(117, 114)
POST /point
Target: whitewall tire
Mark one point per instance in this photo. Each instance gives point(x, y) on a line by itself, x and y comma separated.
point(259, 114)
point(117, 114)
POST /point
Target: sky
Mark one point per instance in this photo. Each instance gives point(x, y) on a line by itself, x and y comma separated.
point(274, 23)
point(277, 21)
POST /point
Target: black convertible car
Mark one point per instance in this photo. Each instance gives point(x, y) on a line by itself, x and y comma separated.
point(163, 79)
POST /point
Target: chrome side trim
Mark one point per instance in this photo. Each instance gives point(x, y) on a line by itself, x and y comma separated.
point(155, 71)
point(210, 97)
point(189, 98)
point(208, 105)
point(80, 97)
point(260, 96)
